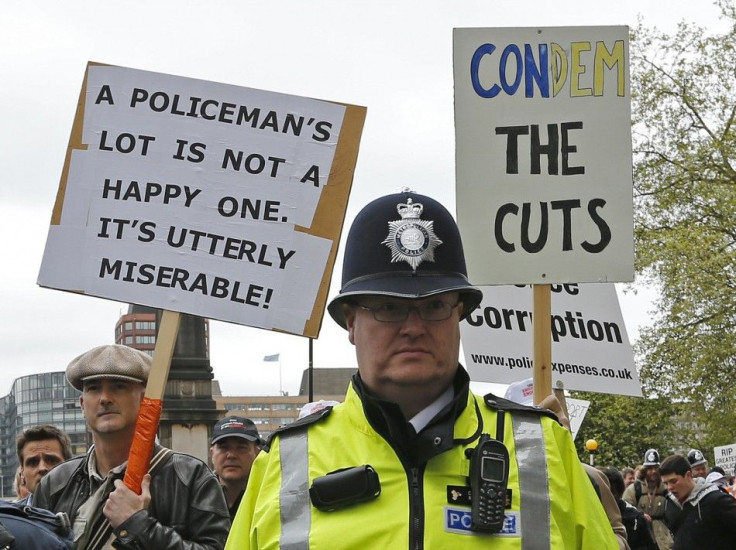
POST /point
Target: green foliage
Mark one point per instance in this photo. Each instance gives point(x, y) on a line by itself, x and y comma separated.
point(684, 118)
point(625, 427)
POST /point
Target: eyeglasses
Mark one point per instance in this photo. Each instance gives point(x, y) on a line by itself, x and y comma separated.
point(398, 312)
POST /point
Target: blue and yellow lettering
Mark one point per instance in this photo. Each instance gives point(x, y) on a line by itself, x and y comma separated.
point(559, 68)
point(578, 69)
point(533, 74)
point(485, 49)
point(614, 58)
point(555, 67)
point(511, 49)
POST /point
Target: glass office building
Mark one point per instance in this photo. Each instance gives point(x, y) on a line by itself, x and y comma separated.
point(45, 398)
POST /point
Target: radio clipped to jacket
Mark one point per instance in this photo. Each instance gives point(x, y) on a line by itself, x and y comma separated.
point(488, 477)
point(345, 487)
point(489, 474)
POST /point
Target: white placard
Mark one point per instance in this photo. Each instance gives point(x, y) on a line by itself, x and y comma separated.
point(523, 392)
point(198, 197)
point(543, 154)
point(576, 411)
point(590, 345)
point(725, 456)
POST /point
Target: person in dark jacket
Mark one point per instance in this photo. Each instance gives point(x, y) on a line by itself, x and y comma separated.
point(181, 505)
point(235, 445)
point(698, 514)
point(638, 530)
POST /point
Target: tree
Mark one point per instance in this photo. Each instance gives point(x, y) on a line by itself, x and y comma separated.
point(625, 427)
point(684, 113)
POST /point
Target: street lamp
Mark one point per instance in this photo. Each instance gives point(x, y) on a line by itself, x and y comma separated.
point(592, 447)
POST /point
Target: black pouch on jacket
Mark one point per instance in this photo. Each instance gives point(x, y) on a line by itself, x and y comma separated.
point(345, 487)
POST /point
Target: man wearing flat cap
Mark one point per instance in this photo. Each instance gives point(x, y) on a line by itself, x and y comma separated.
point(180, 505)
point(391, 466)
point(235, 445)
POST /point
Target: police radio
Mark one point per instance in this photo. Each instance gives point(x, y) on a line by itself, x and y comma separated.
point(489, 474)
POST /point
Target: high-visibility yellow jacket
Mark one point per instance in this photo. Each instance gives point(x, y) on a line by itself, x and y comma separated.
point(553, 503)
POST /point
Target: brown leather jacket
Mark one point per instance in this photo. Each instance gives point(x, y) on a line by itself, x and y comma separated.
point(187, 509)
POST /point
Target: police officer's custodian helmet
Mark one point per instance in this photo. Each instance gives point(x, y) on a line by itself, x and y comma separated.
point(651, 458)
point(404, 245)
point(695, 457)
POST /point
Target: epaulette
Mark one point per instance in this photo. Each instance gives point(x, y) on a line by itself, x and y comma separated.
point(495, 402)
point(317, 416)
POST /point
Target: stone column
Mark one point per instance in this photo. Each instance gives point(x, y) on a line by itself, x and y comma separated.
point(189, 411)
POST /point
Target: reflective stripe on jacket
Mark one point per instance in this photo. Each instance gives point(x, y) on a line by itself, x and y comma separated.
point(553, 503)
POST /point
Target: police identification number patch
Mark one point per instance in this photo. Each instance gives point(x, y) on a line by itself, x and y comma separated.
point(457, 520)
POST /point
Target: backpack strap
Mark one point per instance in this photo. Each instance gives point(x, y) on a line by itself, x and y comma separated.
point(159, 459)
point(7, 540)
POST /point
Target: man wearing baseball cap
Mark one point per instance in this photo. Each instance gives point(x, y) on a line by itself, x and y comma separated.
point(180, 505)
point(235, 445)
point(390, 467)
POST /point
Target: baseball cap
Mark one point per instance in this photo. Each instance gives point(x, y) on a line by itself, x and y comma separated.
point(235, 426)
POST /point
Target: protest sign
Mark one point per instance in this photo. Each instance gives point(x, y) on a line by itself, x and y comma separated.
point(543, 154)
point(523, 392)
point(204, 198)
point(725, 456)
point(590, 345)
point(576, 411)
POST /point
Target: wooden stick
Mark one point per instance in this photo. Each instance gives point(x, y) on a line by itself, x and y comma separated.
point(146, 426)
point(542, 327)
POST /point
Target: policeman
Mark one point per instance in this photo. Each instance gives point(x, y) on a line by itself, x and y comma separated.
point(698, 463)
point(649, 495)
point(390, 467)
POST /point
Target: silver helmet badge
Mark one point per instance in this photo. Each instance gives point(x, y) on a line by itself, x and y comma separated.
point(410, 239)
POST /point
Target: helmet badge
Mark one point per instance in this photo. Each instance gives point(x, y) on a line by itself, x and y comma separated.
point(410, 239)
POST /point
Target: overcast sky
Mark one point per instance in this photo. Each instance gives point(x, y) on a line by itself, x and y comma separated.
point(393, 57)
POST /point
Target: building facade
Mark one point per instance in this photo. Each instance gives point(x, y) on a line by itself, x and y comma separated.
point(137, 329)
point(268, 412)
point(48, 398)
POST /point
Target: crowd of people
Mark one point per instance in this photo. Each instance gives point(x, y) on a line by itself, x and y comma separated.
point(676, 503)
point(411, 459)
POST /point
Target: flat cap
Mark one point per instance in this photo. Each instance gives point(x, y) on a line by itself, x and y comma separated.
point(110, 361)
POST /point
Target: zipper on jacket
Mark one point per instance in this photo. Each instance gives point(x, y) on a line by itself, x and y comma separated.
point(416, 508)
